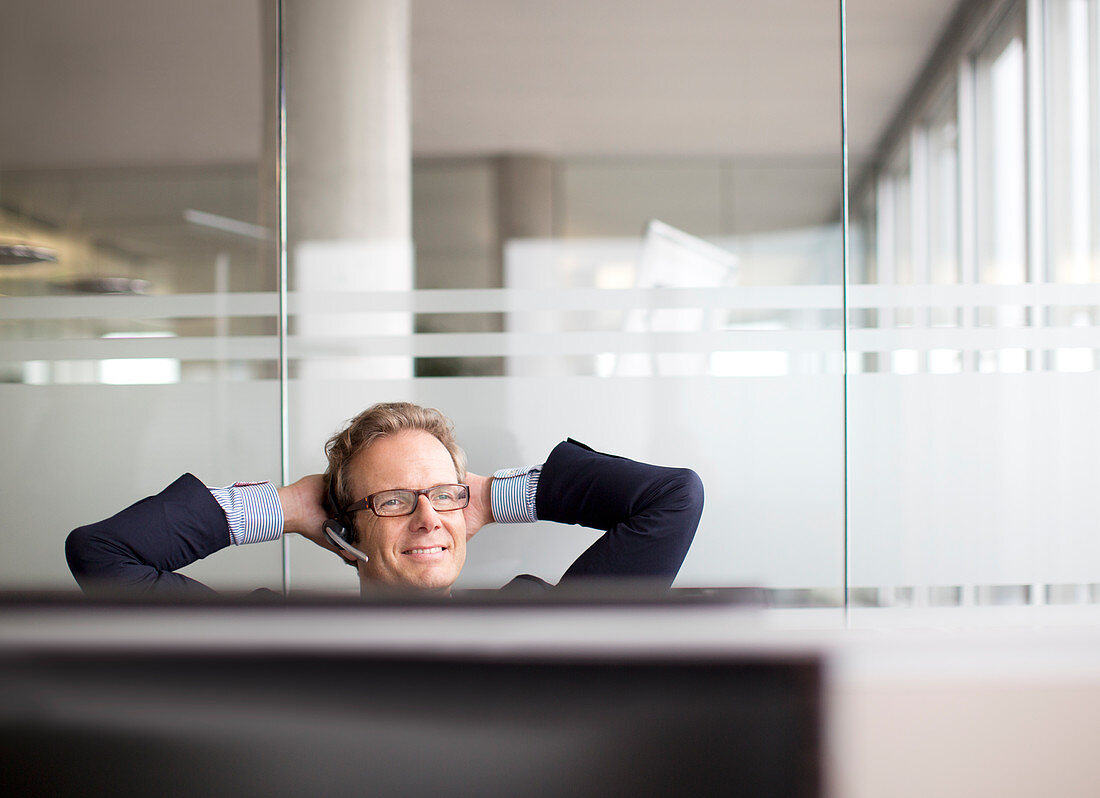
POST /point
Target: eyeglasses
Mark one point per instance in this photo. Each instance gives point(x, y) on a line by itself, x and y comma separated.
point(402, 501)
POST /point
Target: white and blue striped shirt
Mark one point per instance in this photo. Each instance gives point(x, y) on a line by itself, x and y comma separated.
point(253, 511)
point(255, 515)
point(513, 491)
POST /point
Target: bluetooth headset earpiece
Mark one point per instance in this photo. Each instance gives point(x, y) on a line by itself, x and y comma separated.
point(338, 528)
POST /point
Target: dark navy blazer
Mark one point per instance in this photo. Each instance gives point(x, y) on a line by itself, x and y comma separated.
point(648, 513)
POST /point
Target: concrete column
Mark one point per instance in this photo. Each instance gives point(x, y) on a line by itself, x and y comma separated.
point(349, 171)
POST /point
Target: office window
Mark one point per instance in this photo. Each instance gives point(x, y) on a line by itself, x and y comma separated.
point(942, 207)
point(1072, 137)
point(1072, 156)
point(1001, 159)
point(896, 198)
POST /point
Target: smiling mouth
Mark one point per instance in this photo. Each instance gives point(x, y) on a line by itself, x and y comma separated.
point(426, 550)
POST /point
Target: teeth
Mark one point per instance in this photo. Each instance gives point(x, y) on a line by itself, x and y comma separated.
point(432, 550)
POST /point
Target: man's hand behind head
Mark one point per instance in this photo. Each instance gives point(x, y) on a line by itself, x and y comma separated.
point(304, 511)
point(479, 512)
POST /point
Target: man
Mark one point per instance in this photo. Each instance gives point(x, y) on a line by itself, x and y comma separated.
point(405, 507)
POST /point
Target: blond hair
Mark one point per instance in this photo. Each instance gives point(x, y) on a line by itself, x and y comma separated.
point(378, 421)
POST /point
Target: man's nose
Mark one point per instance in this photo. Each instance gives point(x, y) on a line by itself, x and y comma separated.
point(425, 516)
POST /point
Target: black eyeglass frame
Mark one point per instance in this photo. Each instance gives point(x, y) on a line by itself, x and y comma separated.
point(369, 502)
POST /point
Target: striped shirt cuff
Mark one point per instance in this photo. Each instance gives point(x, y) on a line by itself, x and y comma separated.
point(253, 511)
point(513, 494)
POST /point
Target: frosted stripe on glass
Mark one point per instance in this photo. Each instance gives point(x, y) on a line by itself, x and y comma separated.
point(424, 301)
point(264, 347)
point(972, 338)
point(1053, 294)
point(181, 306)
point(421, 345)
point(524, 299)
point(561, 343)
point(822, 297)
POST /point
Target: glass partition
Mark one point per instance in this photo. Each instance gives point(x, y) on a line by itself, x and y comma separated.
point(138, 334)
point(595, 221)
point(588, 220)
point(972, 423)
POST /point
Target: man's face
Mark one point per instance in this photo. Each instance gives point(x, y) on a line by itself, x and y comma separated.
point(425, 550)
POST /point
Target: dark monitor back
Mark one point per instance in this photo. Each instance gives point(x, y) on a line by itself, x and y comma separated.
point(176, 724)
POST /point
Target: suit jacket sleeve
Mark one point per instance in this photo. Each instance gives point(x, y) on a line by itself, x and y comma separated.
point(139, 548)
point(648, 513)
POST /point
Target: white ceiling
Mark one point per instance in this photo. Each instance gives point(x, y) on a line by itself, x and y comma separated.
point(159, 82)
point(91, 83)
point(743, 77)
